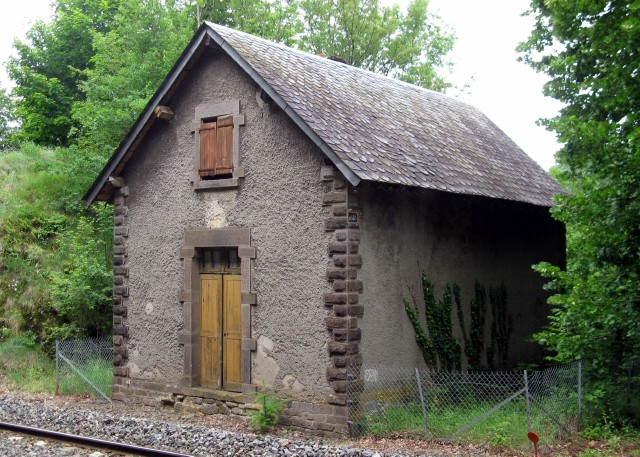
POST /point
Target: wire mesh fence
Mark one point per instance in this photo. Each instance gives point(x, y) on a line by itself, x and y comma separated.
point(84, 367)
point(493, 407)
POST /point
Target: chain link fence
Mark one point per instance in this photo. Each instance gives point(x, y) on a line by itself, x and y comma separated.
point(84, 367)
point(497, 408)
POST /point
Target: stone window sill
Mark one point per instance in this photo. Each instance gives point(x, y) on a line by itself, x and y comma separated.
point(215, 184)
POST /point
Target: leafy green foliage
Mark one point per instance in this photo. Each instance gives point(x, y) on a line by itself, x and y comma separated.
point(589, 49)
point(410, 46)
point(474, 338)
point(43, 226)
point(268, 414)
point(81, 289)
point(437, 344)
point(274, 20)
point(7, 120)
point(49, 66)
point(424, 342)
point(132, 58)
point(501, 327)
point(130, 62)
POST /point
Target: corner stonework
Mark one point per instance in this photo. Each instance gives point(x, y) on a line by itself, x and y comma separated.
point(342, 274)
point(120, 293)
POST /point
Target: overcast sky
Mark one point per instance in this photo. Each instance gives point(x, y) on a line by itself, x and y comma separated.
point(507, 91)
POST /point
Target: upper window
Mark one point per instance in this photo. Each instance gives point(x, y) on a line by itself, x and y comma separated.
point(216, 148)
point(217, 129)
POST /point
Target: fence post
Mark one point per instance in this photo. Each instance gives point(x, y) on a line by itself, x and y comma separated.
point(526, 396)
point(57, 368)
point(579, 395)
point(422, 403)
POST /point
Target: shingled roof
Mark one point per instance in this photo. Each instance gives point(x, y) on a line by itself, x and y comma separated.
point(372, 127)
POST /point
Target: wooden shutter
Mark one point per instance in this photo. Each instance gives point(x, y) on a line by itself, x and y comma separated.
point(208, 141)
point(224, 146)
point(216, 147)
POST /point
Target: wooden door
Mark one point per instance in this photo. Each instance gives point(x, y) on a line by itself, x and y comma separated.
point(232, 333)
point(210, 317)
point(220, 331)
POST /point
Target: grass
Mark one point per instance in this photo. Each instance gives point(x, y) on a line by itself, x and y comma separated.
point(98, 371)
point(26, 367)
point(607, 440)
point(505, 427)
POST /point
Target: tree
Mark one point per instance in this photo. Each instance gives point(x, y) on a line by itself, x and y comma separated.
point(130, 62)
point(55, 253)
point(275, 20)
point(7, 120)
point(49, 67)
point(410, 46)
point(590, 49)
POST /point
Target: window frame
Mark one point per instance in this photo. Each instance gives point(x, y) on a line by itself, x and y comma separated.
point(205, 113)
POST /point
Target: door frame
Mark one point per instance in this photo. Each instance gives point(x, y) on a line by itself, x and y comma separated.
point(189, 297)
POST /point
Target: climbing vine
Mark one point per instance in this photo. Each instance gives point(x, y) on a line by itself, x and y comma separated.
point(500, 327)
point(437, 343)
point(474, 338)
point(424, 342)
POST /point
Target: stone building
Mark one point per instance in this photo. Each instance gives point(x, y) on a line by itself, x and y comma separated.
point(272, 209)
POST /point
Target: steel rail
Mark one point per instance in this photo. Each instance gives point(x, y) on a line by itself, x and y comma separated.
point(89, 442)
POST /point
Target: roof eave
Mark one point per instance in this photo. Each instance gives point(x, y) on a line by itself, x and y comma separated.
point(203, 32)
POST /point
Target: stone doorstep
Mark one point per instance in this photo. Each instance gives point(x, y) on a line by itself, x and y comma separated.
point(221, 395)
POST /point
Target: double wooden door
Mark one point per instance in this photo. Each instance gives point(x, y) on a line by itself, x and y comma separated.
point(220, 331)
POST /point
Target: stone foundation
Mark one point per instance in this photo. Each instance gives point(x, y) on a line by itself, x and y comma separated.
point(321, 420)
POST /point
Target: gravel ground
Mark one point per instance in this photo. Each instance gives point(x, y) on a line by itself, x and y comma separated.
point(16, 445)
point(195, 435)
point(179, 437)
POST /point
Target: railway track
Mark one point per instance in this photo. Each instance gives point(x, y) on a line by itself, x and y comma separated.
point(94, 443)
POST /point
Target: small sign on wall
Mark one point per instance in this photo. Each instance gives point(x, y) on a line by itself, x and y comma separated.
point(353, 217)
point(370, 375)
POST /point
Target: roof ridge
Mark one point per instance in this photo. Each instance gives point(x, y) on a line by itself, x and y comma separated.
point(328, 61)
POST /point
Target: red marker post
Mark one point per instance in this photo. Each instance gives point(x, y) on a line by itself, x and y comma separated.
point(534, 439)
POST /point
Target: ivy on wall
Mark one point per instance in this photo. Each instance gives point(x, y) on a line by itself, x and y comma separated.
point(424, 342)
point(501, 326)
point(437, 343)
point(474, 338)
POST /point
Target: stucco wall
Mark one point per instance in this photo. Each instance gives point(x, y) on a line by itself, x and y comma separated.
point(453, 239)
point(280, 200)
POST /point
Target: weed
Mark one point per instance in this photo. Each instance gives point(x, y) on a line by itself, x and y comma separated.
point(268, 413)
point(593, 453)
